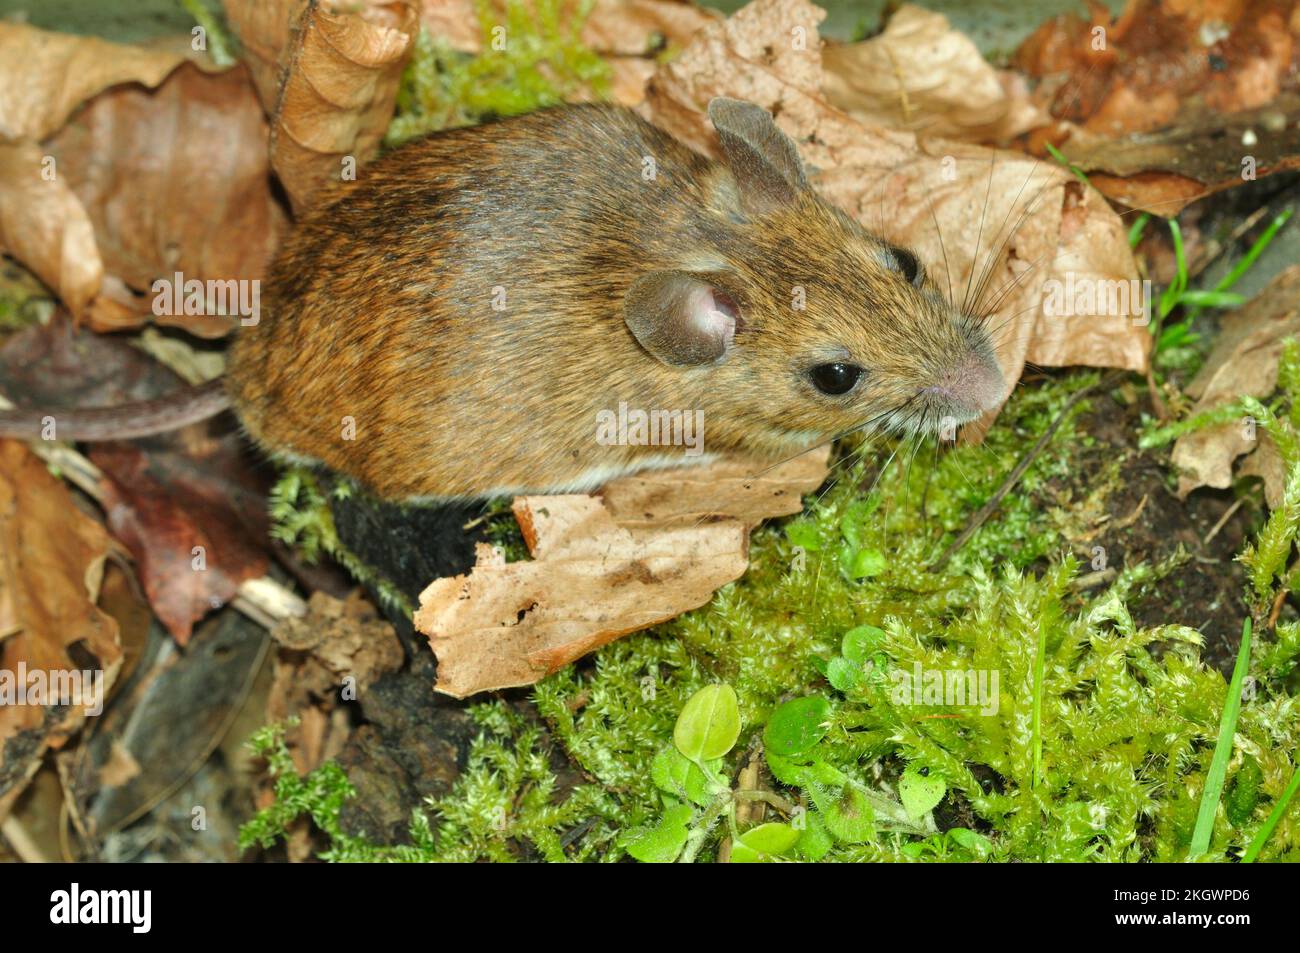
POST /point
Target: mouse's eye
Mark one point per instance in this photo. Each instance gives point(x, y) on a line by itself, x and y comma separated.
point(835, 378)
point(909, 265)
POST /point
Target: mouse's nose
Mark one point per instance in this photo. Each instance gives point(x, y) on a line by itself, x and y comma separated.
point(972, 386)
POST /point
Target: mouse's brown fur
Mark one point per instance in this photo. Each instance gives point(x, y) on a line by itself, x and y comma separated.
point(379, 310)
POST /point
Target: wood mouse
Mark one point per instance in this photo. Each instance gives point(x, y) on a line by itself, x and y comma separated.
point(458, 322)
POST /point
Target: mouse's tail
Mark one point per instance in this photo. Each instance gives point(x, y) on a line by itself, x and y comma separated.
point(122, 422)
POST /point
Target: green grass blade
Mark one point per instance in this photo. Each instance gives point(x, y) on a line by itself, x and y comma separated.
point(1248, 259)
point(1213, 299)
point(1174, 293)
point(1137, 228)
point(1265, 832)
point(1040, 670)
point(1060, 157)
point(1256, 250)
point(1222, 751)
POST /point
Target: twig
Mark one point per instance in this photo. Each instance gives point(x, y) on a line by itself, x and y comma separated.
point(1092, 580)
point(1223, 520)
point(981, 516)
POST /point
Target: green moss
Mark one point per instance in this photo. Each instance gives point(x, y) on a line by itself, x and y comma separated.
point(301, 518)
point(532, 56)
point(24, 301)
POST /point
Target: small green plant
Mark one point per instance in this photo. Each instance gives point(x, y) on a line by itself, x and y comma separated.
point(319, 794)
point(696, 795)
point(1179, 295)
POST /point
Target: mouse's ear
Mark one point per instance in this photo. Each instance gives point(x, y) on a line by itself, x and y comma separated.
point(680, 317)
point(762, 158)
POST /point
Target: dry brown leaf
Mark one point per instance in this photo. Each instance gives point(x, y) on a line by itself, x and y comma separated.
point(1166, 170)
point(1243, 363)
point(337, 68)
point(43, 225)
point(632, 27)
point(164, 200)
point(51, 565)
point(46, 76)
point(602, 567)
point(1267, 464)
point(954, 203)
point(630, 75)
point(263, 28)
point(922, 75)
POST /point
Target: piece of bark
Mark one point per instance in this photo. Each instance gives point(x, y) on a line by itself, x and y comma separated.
point(648, 549)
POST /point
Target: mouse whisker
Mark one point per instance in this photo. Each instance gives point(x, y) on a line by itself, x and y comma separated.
point(1008, 288)
point(942, 247)
point(979, 235)
point(990, 268)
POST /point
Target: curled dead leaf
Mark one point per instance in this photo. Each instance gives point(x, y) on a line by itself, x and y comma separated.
point(46, 76)
point(334, 69)
point(44, 225)
point(1243, 363)
point(922, 75)
point(1164, 171)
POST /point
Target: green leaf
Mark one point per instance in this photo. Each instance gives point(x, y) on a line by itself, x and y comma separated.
point(662, 843)
point(709, 723)
point(914, 849)
point(843, 674)
point(867, 563)
point(847, 812)
point(977, 844)
point(920, 793)
point(804, 534)
point(789, 772)
point(797, 726)
point(859, 643)
point(762, 843)
point(815, 840)
point(675, 774)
